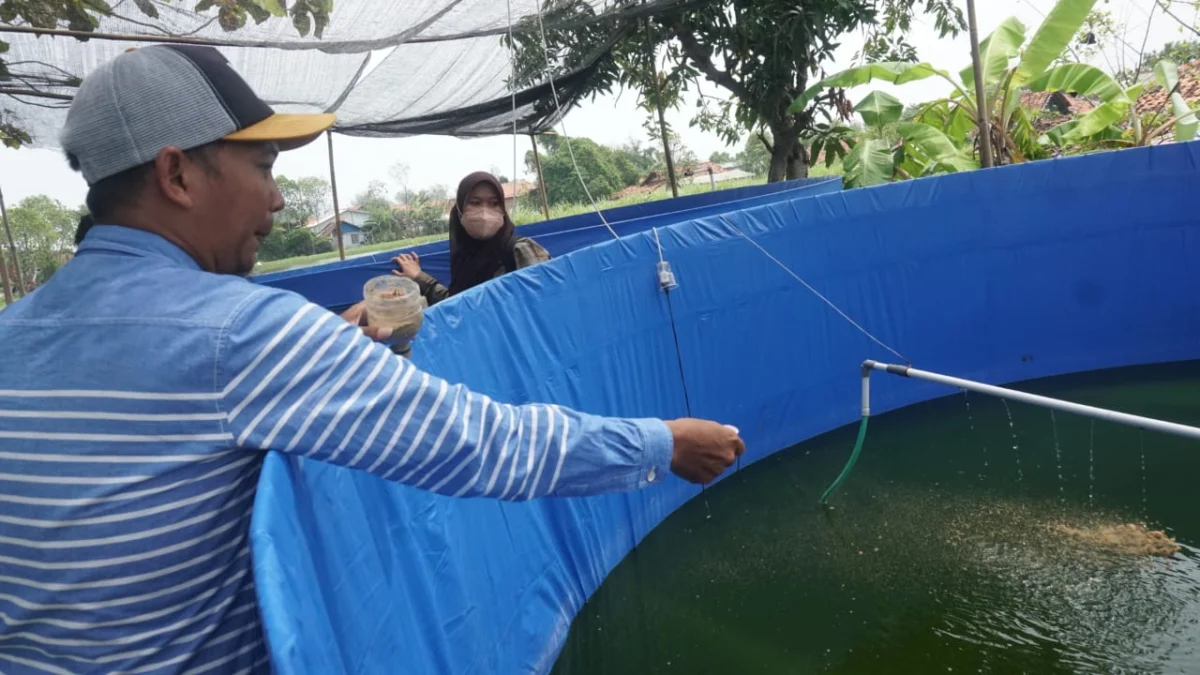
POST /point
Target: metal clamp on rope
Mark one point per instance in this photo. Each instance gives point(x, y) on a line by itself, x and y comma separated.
point(666, 278)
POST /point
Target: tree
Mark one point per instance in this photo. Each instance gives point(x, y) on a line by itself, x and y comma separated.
point(596, 164)
point(85, 15)
point(375, 196)
point(44, 233)
point(399, 173)
point(299, 241)
point(1013, 135)
point(721, 157)
point(755, 156)
point(1180, 53)
point(761, 53)
point(681, 155)
point(304, 199)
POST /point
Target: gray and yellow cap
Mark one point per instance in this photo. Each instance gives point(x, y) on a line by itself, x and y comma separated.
point(182, 96)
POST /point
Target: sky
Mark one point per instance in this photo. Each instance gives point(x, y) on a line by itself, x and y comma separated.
point(611, 120)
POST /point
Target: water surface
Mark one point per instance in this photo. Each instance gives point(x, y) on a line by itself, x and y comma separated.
point(948, 550)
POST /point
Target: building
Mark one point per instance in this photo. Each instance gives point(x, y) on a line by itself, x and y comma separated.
point(513, 191)
point(353, 220)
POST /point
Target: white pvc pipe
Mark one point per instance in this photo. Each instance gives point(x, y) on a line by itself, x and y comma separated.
point(1032, 399)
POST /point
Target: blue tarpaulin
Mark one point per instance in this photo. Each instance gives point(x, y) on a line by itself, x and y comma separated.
point(998, 275)
point(339, 284)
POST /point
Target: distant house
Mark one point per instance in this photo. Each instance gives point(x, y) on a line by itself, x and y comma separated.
point(512, 191)
point(352, 220)
point(700, 173)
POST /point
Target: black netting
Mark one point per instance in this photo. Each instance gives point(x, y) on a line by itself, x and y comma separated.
point(386, 68)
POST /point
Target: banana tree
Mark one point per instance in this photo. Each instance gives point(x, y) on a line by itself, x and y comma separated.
point(1013, 135)
point(921, 149)
point(1116, 122)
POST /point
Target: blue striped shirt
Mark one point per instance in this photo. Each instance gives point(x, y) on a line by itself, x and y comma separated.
point(137, 395)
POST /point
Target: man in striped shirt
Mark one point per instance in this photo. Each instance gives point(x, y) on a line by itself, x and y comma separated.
point(140, 387)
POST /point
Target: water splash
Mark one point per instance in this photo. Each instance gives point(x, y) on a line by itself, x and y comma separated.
point(1142, 452)
point(971, 424)
point(1092, 463)
point(1062, 497)
point(1016, 444)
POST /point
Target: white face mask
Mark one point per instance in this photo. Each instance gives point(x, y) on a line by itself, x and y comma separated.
point(482, 223)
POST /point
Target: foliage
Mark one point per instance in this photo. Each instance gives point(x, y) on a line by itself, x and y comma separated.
point(721, 157)
point(422, 216)
point(287, 243)
point(755, 157)
point(833, 141)
point(44, 234)
point(892, 148)
point(85, 15)
point(1008, 61)
point(606, 170)
point(304, 199)
point(1114, 123)
point(681, 155)
point(762, 53)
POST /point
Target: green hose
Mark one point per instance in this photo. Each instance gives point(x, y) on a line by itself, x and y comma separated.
point(858, 444)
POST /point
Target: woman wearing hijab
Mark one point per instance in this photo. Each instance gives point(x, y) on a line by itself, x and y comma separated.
point(483, 245)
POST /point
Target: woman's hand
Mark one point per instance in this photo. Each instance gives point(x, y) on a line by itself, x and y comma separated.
point(409, 264)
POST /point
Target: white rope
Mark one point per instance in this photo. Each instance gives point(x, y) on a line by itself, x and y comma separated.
point(659, 245)
point(562, 120)
point(814, 291)
point(512, 76)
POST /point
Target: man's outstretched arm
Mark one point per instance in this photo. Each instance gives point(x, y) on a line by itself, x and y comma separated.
point(301, 380)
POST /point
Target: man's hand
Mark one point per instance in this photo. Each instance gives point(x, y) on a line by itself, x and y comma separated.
point(357, 316)
point(703, 450)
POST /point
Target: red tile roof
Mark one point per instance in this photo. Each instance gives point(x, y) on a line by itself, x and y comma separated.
point(1154, 99)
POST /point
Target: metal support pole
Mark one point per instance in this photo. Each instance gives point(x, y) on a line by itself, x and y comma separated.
point(19, 289)
point(1032, 399)
point(537, 162)
point(337, 212)
point(982, 109)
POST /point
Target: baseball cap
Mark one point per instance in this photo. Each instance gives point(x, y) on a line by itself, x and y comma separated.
point(182, 96)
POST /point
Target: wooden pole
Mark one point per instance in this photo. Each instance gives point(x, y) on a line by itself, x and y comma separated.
point(982, 109)
point(8, 299)
point(12, 248)
point(537, 162)
point(337, 212)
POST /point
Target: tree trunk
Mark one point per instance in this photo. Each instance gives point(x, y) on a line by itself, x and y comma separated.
point(788, 159)
point(798, 162)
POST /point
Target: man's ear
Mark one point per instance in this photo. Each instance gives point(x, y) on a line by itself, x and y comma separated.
point(175, 176)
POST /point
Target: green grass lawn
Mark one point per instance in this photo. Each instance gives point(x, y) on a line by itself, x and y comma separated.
point(525, 215)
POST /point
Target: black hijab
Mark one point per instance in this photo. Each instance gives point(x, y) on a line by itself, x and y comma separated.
point(474, 261)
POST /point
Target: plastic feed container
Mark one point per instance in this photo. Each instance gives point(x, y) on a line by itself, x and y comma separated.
point(394, 302)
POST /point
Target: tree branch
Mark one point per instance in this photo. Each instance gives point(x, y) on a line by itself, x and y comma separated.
point(1171, 14)
point(703, 62)
point(34, 92)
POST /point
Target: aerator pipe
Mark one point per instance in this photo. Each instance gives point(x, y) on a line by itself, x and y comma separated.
point(1000, 392)
point(1032, 399)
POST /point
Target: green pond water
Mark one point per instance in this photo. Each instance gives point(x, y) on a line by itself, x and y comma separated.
point(955, 547)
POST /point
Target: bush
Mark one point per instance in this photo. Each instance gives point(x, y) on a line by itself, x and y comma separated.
point(291, 243)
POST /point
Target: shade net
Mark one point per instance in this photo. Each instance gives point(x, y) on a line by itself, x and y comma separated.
point(386, 68)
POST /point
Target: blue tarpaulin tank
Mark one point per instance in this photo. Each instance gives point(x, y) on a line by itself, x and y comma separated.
point(1000, 275)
